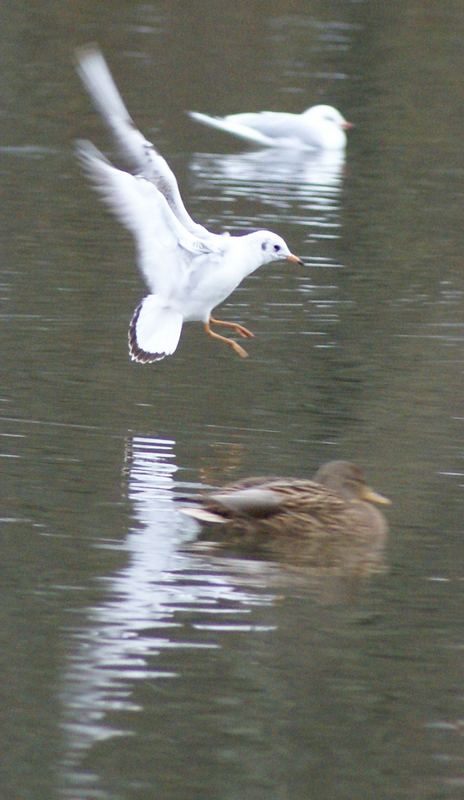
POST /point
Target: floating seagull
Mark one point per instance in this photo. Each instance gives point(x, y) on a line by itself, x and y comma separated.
point(317, 127)
point(188, 269)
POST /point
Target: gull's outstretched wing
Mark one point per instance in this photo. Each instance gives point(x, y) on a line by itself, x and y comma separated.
point(140, 153)
point(166, 250)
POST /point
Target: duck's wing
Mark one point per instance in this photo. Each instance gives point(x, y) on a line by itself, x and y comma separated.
point(139, 152)
point(265, 497)
point(251, 503)
point(256, 502)
point(167, 252)
point(273, 496)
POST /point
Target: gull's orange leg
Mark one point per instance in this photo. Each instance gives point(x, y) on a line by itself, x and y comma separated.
point(240, 329)
point(239, 350)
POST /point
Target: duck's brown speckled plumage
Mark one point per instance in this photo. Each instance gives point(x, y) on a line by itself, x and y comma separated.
point(329, 521)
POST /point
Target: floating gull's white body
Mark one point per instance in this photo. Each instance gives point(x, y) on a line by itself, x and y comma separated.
point(318, 127)
point(189, 270)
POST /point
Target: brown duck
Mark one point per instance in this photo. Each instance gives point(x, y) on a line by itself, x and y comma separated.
point(329, 521)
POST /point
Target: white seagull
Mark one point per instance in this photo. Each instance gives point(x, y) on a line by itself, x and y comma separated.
point(319, 127)
point(188, 269)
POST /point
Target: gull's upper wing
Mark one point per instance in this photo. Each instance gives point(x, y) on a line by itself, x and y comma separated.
point(230, 125)
point(141, 154)
point(167, 251)
point(272, 124)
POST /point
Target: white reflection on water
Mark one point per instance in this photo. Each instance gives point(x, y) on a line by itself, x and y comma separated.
point(135, 619)
point(306, 185)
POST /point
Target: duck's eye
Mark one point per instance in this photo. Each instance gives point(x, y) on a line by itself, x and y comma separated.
point(263, 245)
point(276, 248)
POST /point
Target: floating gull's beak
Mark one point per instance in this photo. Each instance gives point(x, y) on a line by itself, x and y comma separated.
point(347, 125)
point(295, 259)
point(373, 497)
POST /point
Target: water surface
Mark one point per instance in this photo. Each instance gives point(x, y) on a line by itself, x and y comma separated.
point(137, 660)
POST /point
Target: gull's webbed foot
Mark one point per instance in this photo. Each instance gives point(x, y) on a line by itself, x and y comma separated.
point(240, 329)
point(230, 342)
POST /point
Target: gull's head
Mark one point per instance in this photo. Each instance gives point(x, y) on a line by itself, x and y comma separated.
point(273, 248)
point(328, 114)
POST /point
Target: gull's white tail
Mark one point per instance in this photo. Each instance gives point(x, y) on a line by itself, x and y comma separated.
point(154, 330)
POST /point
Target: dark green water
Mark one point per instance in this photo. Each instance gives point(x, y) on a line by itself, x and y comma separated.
point(135, 663)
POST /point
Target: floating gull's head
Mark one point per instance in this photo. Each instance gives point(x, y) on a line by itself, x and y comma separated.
point(328, 114)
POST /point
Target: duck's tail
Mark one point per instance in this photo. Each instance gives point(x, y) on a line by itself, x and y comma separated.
point(154, 330)
point(202, 515)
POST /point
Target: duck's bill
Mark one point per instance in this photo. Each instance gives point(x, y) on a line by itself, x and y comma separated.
point(295, 259)
point(347, 126)
point(374, 497)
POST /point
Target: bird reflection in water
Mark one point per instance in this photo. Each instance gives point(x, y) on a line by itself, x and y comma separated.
point(291, 179)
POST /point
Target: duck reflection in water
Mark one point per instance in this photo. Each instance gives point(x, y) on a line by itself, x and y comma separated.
point(330, 522)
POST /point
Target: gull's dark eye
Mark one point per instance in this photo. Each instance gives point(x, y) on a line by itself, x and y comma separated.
point(276, 248)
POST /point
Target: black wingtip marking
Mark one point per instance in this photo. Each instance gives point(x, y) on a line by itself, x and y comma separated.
point(136, 353)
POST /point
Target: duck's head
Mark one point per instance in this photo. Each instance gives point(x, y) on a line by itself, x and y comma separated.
point(347, 479)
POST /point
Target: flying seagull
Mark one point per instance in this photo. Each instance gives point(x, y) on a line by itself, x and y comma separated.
point(188, 269)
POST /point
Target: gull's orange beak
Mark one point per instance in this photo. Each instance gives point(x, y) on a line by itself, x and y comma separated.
point(294, 259)
point(347, 125)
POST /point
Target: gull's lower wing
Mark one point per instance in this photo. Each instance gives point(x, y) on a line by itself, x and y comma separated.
point(164, 247)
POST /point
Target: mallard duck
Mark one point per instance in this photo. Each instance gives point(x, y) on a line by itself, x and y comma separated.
point(329, 520)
